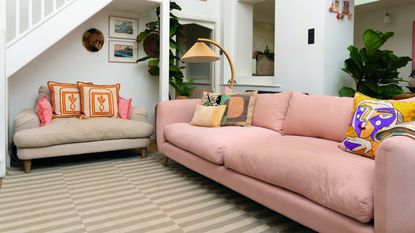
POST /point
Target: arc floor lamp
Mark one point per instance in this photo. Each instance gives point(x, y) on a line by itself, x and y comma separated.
point(201, 53)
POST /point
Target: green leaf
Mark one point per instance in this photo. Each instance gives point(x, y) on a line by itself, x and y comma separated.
point(154, 62)
point(144, 59)
point(373, 40)
point(143, 35)
point(347, 92)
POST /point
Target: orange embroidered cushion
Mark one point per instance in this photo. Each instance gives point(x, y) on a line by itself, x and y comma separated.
point(99, 100)
point(65, 99)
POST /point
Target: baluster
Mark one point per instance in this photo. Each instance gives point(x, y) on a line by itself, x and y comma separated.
point(17, 17)
point(30, 9)
point(42, 9)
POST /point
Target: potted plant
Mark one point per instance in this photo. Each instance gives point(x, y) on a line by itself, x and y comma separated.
point(374, 71)
point(183, 89)
point(150, 38)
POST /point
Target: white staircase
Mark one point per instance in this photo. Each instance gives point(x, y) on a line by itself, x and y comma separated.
point(57, 19)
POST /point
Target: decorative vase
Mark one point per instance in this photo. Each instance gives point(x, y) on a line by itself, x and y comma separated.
point(264, 66)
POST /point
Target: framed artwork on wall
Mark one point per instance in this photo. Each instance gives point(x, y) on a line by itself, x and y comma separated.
point(122, 51)
point(123, 28)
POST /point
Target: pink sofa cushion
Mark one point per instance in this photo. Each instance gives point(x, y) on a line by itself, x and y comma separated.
point(270, 110)
point(213, 143)
point(318, 116)
point(314, 168)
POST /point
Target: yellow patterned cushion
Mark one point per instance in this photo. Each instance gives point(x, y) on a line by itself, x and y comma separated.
point(99, 100)
point(65, 99)
point(208, 116)
point(370, 116)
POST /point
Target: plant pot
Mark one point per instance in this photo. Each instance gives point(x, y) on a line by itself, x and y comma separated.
point(181, 97)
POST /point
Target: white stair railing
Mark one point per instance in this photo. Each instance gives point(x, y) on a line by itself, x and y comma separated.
point(57, 6)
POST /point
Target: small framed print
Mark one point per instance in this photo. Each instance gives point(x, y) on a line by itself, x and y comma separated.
point(123, 28)
point(122, 51)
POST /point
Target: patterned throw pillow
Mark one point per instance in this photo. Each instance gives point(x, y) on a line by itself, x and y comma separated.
point(208, 116)
point(99, 100)
point(240, 107)
point(370, 116)
point(211, 99)
point(65, 99)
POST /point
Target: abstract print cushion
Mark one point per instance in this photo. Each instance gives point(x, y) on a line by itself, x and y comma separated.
point(240, 107)
point(370, 116)
point(99, 100)
point(65, 99)
point(208, 116)
point(211, 99)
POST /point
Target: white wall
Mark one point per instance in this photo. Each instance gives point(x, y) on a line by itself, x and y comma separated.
point(299, 66)
point(207, 9)
point(338, 35)
point(69, 61)
point(402, 18)
point(244, 37)
point(312, 68)
point(3, 90)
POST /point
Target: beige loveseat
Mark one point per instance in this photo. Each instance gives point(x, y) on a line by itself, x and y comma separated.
point(72, 136)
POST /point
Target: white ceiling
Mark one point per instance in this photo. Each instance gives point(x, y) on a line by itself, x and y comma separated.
point(382, 4)
point(139, 6)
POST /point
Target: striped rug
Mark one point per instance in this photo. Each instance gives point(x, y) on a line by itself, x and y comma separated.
point(128, 195)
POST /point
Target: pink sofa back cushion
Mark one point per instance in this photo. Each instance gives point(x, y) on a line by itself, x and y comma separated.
point(318, 116)
point(270, 110)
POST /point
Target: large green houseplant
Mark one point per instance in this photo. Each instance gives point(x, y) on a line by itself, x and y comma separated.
point(374, 71)
point(150, 38)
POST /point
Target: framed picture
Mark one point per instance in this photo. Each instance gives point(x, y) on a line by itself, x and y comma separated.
point(123, 28)
point(122, 51)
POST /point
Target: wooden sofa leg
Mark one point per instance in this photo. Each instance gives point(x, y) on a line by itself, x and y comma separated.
point(27, 165)
point(143, 152)
point(165, 161)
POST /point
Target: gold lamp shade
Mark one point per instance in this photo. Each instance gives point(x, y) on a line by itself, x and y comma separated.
point(200, 53)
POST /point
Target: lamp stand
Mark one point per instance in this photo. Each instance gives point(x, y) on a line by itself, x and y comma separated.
point(208, 41)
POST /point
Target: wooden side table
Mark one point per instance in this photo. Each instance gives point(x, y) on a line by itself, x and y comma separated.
point(404, 96)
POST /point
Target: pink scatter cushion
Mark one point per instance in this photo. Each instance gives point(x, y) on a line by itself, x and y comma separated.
point(44, 111)
point(124, 108)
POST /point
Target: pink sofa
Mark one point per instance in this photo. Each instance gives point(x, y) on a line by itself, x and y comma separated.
point(289, 161)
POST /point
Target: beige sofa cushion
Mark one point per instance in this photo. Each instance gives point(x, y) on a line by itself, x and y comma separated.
point(73, 130)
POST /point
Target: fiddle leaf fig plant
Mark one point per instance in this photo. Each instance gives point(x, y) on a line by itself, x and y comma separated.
point(150, 38)
point(374, 71)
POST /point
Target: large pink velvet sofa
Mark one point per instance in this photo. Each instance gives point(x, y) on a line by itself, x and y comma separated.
point(289, 161)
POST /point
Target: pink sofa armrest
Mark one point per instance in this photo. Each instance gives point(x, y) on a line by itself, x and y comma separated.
point(395, 186)
point(175, 111)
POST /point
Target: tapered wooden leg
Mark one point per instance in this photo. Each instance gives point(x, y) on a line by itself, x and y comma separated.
point(27, 165)
point(165, 161)
point(143, 152)
point(1, 181)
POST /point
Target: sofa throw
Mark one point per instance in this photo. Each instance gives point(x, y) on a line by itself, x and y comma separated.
point(369, 117)
point(99, 100)
point(240, 107)
point(65, 99)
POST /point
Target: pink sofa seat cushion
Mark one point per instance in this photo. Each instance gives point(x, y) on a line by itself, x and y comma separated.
point(314, 168)
point(318, 116)
point(213, 143)
point(270, 110)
